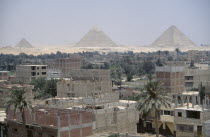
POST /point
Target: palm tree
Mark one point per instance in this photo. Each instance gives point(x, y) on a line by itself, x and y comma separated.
point(17, 101)
point(151, 100)
point(177, 53)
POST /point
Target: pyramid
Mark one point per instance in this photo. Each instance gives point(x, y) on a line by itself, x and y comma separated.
point(24, 44)
point(173, 38)
point(96, 38)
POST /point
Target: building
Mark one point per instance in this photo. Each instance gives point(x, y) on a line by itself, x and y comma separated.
point(83, 83)
point(109, 113)
point(206, 128)
point(194, 77)
point(172, 77)
point(184, 118)
point(26, 73)
point(65, 65)
point(197, 56)
point(190, 114)
point(5, 91)
point(50, 122)
point(4, 75)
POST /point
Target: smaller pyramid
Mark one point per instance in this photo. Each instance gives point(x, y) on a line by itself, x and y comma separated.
point(24, 44)
point(173, 38)
point(96, 38)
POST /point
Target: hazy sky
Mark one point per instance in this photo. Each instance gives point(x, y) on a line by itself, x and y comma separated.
point(126, 22)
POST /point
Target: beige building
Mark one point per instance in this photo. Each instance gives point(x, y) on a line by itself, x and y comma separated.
point(194, 78)
point(26, 73)
point(197, 56)
point(83, 83)
point(4, 75)
point(190, 114)
point(5, 91)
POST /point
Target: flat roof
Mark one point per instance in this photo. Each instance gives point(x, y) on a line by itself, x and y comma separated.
point(4, 71)
point(190, 93)
point(32, 65)
point(196, 108)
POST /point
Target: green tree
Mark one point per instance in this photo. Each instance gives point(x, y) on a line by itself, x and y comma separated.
point(51, 87)
point(177, 53)
point(116, 74)
point(151, 100)
point(129, 76)
point(39, 83)
point(202, 92)
point(17, 101)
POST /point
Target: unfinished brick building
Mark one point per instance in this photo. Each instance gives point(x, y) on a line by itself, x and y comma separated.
point(172, 78)
point(83, 83)
point(50, 122)
point(65, 65)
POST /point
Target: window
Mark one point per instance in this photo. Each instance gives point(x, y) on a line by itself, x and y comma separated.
point(33, 68)
point(179, 114)
point(37, 73)
point(167, 112)
point(44, 67)
point(37, 67)
point(46, 102)
point(182, 127)
point(44, 73)
point(71, 94)
point(15, 129)
point(33, 73)
point(193, 114)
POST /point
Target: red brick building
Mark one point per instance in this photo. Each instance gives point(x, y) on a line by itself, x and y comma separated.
point(50, 122)
point(172, 78)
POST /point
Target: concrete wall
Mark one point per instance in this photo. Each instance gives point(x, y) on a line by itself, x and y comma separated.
point(116, 120)
point(67, 88)
point(206, 129)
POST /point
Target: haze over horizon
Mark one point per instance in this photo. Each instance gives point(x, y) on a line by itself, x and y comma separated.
point(137, 22)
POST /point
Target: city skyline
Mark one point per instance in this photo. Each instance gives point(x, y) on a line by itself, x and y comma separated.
point(125, 22)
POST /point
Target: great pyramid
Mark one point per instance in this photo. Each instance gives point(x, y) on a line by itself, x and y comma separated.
point(173, 38)
point(24, 44)
point(95, 38)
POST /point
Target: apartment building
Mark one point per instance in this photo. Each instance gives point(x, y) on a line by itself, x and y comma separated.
point(26, 73)
point(172, 78)
point(190, 115)
point(194, 77)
